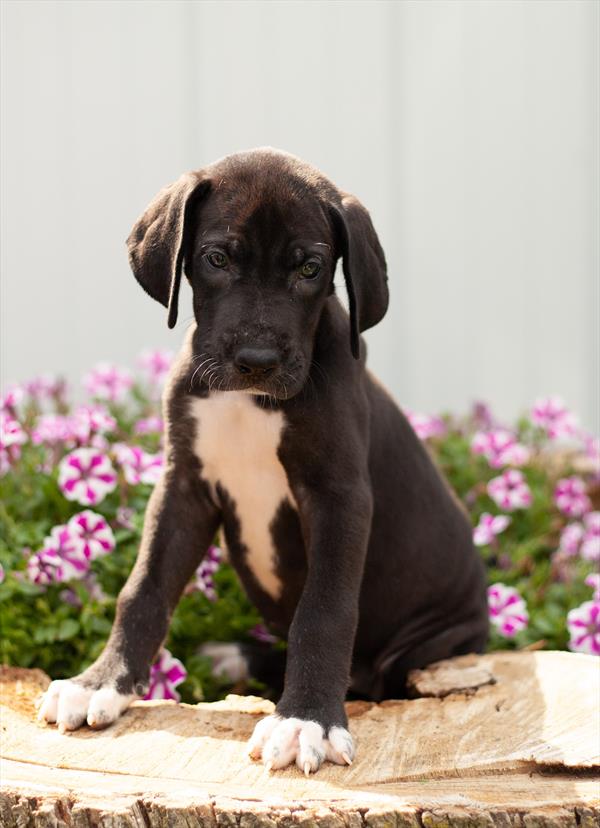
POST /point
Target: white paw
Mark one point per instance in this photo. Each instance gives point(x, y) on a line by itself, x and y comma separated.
point(227, 660)
point(70, 705)
point(282, 741)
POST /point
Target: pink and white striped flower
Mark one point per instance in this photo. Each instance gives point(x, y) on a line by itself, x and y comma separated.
point(583, 624)
point(590, 546)
point(139, 466)
point(203, 578)
point(165, 675)
point(149, 425)
point(425, 426)
point(45, 567)
point(94, 534)
point(507, 610)
point(12, 398)
point(488, 527)
point(12, 437)
point(51, 429)
point(510, 491)
point(92, 419)
point(500, 448)
point(156, 364)
point(44, 387)
point(108, 382)
point(570, 538)
point(70, 549)
point(86, 476)
point(551, 414)
point(571, 497)
point(593, 581)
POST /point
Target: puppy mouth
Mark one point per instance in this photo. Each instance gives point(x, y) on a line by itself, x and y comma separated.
point(212, 374)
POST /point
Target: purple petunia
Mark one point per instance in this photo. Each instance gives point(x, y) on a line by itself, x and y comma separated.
point(149, 425)
point(500, 448)
point(507, 610)
point(593, 581)
point(93, 533)
point(165, 675)
point(139, 466)
point(590, 545)
point(425, 426)
point(12, 437)
point(551, 414)
point(108, 382)
point(156, 365)
point(510, 491)
point(86, 476)
point(203, 578)
point(571, 497)
point(70, 549)
point(45, 567)
point(583, 624)
point(488, 527)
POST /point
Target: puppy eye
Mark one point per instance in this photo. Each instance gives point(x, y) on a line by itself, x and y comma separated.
point(309, 270)
point(217, 259)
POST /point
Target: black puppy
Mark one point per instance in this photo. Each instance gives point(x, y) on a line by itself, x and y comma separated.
point(342, 531)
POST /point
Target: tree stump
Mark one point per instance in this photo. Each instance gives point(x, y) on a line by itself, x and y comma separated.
point(502, 739)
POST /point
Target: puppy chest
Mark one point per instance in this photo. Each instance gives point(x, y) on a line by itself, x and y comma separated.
point(236, 443)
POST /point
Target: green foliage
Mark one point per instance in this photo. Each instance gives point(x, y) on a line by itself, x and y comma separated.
point(61, 628)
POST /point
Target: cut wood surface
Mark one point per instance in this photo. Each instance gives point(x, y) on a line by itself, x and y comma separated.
point(506, 738)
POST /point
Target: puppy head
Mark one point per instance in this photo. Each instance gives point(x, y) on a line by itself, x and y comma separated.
point(258, 235)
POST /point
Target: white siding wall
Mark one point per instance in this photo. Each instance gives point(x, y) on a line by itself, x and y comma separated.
point(469, 129)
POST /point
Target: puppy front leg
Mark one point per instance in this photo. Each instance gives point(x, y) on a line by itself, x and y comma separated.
point(179, 526)
point(310, 722)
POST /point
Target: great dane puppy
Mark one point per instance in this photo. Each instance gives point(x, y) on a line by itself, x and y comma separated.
point(340, 527)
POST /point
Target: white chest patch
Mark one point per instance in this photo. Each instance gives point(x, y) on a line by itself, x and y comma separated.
point(237, 444)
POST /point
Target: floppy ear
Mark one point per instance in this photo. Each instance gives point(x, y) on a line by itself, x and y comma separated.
point(364, 267)
point(156, 242)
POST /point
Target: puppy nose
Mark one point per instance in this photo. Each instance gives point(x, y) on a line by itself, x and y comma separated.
point(256, 360)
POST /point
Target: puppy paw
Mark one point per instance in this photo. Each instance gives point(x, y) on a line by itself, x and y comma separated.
point(280, 741)
point(71, 704)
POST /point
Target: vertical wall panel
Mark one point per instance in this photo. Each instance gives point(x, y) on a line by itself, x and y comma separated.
point(469, 129)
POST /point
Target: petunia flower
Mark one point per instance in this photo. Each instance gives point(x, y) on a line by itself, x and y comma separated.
point(11, 399)
point(590, 546)
point(425, 426)
point(96, 536)
point(69, 547)
point(583, 624)
point(149, 425)
point(570, 538)
point(481, 415)
point(156, 364)
point(510, 491)
point(1, 574)
point(44, 387)
point(165, 675)
point(488, 527)
point(551, 414)
point(86, 476)
point(92, 419)
point(12, 437)
point(51, 429)
point(593, 581)
point(500, 448)
point(138, 465)
point(507, 610)
point(203, 577)
point(262, 634)
point(108, 382)
point(45, 567)
point(571, 498)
